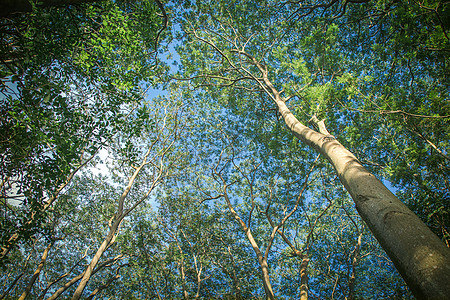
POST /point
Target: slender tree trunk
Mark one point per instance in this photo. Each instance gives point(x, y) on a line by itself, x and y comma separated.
point(78, 277)
point(50, 284)
point(352, 280)
point(107, 283)
point(65, 287)
point(261, 259)
point(37, 272)
point(89, 270)
point(117, 219)
point(199, 283)
point(304, 277)
point(183, 279)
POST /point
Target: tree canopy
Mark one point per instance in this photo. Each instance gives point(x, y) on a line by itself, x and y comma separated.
point(225, 149)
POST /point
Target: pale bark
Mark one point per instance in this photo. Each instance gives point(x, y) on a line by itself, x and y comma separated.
point(183, 279)
point(304, 278)
point(174, 236)
point(113, 228)
point(182, 273)
point(417, 253)
point(157, 161)
point(198, 270)
point(37, 272)
point(78, 277)
point(65, 287)
point(88, 272)
point(261, 258)
point(107, 283)
point(50, 284)
point(352, 280)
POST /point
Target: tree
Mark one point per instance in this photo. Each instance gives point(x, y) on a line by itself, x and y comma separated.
point(275, 189)
point(222, 49)
point(68, 73)
point(159, 130)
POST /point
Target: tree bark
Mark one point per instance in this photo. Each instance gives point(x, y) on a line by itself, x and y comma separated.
point(417, 253)
point(183, 279)
point(352, 280)
point(89, 270)
point(107, 283)
point(37, 272)
point(121, 213)
point(304, 278)
point(78, 277)
point(261, 258)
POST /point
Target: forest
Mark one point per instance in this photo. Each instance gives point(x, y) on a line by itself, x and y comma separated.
point(225, 149)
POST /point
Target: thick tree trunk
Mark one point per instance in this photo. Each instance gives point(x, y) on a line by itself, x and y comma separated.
point(417, 253)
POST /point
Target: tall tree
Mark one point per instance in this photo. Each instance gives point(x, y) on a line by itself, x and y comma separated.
point(262, 53)
point(149, 155)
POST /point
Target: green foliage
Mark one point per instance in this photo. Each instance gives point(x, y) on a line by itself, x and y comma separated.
point(73, 81)
point(68, 76)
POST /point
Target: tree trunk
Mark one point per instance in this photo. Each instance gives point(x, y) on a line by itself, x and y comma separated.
point(352, 280)
point(78, 277)
point(88, 273)
point(37, 272)
point(183, 279)
point(261, 259)
point(107, 284)
point(417, 253)
point(113, 227)
point(304, 278)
